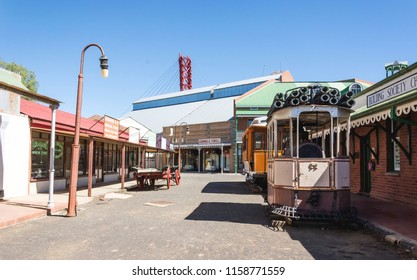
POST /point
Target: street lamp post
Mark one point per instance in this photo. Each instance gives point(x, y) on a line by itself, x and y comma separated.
point(71, 211)
point(179, 143)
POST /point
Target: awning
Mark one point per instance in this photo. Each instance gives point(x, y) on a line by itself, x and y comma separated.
point(403, 104)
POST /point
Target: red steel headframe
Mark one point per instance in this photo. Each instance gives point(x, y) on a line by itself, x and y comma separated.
point(186, 81)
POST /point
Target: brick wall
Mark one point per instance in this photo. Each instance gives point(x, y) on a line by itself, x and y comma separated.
point(394, 186)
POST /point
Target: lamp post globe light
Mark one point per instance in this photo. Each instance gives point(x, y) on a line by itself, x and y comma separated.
point(72, 197)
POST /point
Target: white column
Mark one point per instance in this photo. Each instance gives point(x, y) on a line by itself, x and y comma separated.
point(52, 158)
point(221, 161)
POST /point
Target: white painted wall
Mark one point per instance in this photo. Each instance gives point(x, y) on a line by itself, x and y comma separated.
point(108, 178)
point(14, 155)
point(59, 185)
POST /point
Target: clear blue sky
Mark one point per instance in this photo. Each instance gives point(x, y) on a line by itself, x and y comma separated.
point(226, 40)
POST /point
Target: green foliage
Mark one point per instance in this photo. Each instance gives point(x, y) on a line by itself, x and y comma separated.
point(28, 77)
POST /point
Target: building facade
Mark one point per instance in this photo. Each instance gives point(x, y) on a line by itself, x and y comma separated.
point(15, 134)
point(207, 147)
point(383, 147)
point(108, 150)
point(208, 112)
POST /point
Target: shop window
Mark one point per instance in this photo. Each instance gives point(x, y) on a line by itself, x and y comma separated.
point(132, 157)
point(82, 160)
point(40, 161)
point(190, 161)
point(67, 158)
point(98, 159)
point(151, 160)
point(110, 158)
point(40, 155)
point(59, 159)
point(119, 158)
point(393, 150)
point(211, 160)
point(239, 155)
point(226, 161)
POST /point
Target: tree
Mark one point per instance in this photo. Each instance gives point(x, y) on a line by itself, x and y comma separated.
point(28, 77)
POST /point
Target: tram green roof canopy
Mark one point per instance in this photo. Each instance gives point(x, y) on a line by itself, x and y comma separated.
point(259, 101)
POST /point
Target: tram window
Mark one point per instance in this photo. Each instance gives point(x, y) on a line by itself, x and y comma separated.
point(283, 137)
point(259, 143)
point(312, 129)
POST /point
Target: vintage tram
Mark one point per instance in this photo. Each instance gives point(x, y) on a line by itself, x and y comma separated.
point(308, 154)
point(254, 153)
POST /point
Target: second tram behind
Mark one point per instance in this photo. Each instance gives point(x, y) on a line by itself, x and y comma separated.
point(308, 164)
point(254, 152)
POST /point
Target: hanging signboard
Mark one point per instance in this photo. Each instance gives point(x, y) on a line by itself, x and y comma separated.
point(151, 139)
point(111, 128)
point(163, 143)
point(209, 141)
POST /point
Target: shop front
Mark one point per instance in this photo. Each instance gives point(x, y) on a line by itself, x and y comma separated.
point(383, 129)
point(205, 157)
point(108, 153)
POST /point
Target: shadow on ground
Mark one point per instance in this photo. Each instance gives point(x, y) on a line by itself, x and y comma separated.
point(246, 213)
point(227, 188)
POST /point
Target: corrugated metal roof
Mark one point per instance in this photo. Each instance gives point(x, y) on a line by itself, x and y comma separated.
point(208, 111)
point(217, 110)
point(41, 118)
point(209, 88)
point(64, 119)
point(12, 79)
point(156, 118)
point(216, 107)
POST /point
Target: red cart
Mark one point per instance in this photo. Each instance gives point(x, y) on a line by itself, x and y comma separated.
point(146, 177)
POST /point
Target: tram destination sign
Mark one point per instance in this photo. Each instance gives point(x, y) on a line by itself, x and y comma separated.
point(391, 91)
